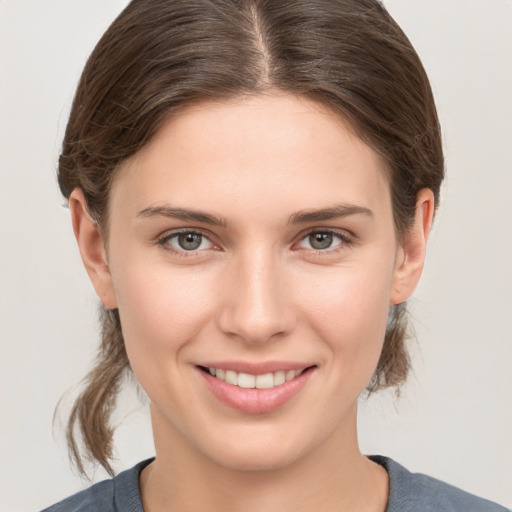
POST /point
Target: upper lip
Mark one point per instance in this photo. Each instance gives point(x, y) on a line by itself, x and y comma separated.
point(257, 368)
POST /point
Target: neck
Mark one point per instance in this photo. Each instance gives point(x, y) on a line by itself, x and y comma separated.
point(333, 477)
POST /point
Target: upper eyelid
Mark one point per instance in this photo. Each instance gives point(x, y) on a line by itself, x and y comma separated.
point(345, 235)
point(162, 239)
point(178, 231)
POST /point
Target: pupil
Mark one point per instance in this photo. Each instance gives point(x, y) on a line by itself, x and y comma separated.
point(189, 241)
point(320, 240)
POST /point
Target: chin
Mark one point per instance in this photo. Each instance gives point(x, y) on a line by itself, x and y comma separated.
point(253, 452)
point(255, 460)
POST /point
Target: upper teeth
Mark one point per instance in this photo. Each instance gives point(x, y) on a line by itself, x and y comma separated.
point(246, 380)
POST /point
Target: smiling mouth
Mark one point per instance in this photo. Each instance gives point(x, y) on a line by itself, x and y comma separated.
point(250, 381)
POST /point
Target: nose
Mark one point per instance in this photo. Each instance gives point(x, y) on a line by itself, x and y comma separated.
point(256, 305)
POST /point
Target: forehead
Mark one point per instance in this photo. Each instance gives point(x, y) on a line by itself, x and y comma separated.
point(274, 149)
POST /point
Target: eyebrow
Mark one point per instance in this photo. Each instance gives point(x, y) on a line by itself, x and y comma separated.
point(331, 213)
point(183, 214)
point(300, 217)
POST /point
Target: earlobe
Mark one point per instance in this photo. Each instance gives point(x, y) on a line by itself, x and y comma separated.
point(92, 249)
point(411, 253)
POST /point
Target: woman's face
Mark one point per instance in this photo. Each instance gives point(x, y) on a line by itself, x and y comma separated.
point(254, 237)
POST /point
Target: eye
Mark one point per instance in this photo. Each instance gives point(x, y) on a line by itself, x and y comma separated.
point(185, 241)
point(322, 240)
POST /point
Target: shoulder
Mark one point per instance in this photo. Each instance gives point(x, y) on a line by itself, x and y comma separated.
point(415, 492)
point(118, 494)
point(99, 496)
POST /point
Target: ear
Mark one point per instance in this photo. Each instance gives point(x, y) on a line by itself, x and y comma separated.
point(92, 249)
point(411, 253)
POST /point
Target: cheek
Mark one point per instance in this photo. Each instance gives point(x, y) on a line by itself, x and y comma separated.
point(348, 311)
point(161, 311)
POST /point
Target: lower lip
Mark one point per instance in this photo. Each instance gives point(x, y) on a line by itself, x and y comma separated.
point(256, 401)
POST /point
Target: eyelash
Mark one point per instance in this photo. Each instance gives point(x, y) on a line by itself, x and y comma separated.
point(345, 241)
point(163, 241)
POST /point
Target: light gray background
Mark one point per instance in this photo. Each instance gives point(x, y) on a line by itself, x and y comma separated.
point(454, 420)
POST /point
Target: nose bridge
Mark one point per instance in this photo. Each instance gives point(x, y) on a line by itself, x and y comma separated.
point(256, 306)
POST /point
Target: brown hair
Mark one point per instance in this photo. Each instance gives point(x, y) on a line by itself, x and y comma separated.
point(159, 56)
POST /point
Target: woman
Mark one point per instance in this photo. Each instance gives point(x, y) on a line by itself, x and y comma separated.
point(252, 186)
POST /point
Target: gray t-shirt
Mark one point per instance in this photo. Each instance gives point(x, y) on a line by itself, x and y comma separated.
point(408, 492)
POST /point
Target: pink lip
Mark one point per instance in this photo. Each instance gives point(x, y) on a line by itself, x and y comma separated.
point(255, 401)
point(256, 368)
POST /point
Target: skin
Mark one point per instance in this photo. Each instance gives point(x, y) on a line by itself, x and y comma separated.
point(255, 290)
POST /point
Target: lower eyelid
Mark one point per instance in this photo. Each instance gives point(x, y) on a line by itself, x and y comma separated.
point(344, 240)
point(163, 241)
point(198, 249)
